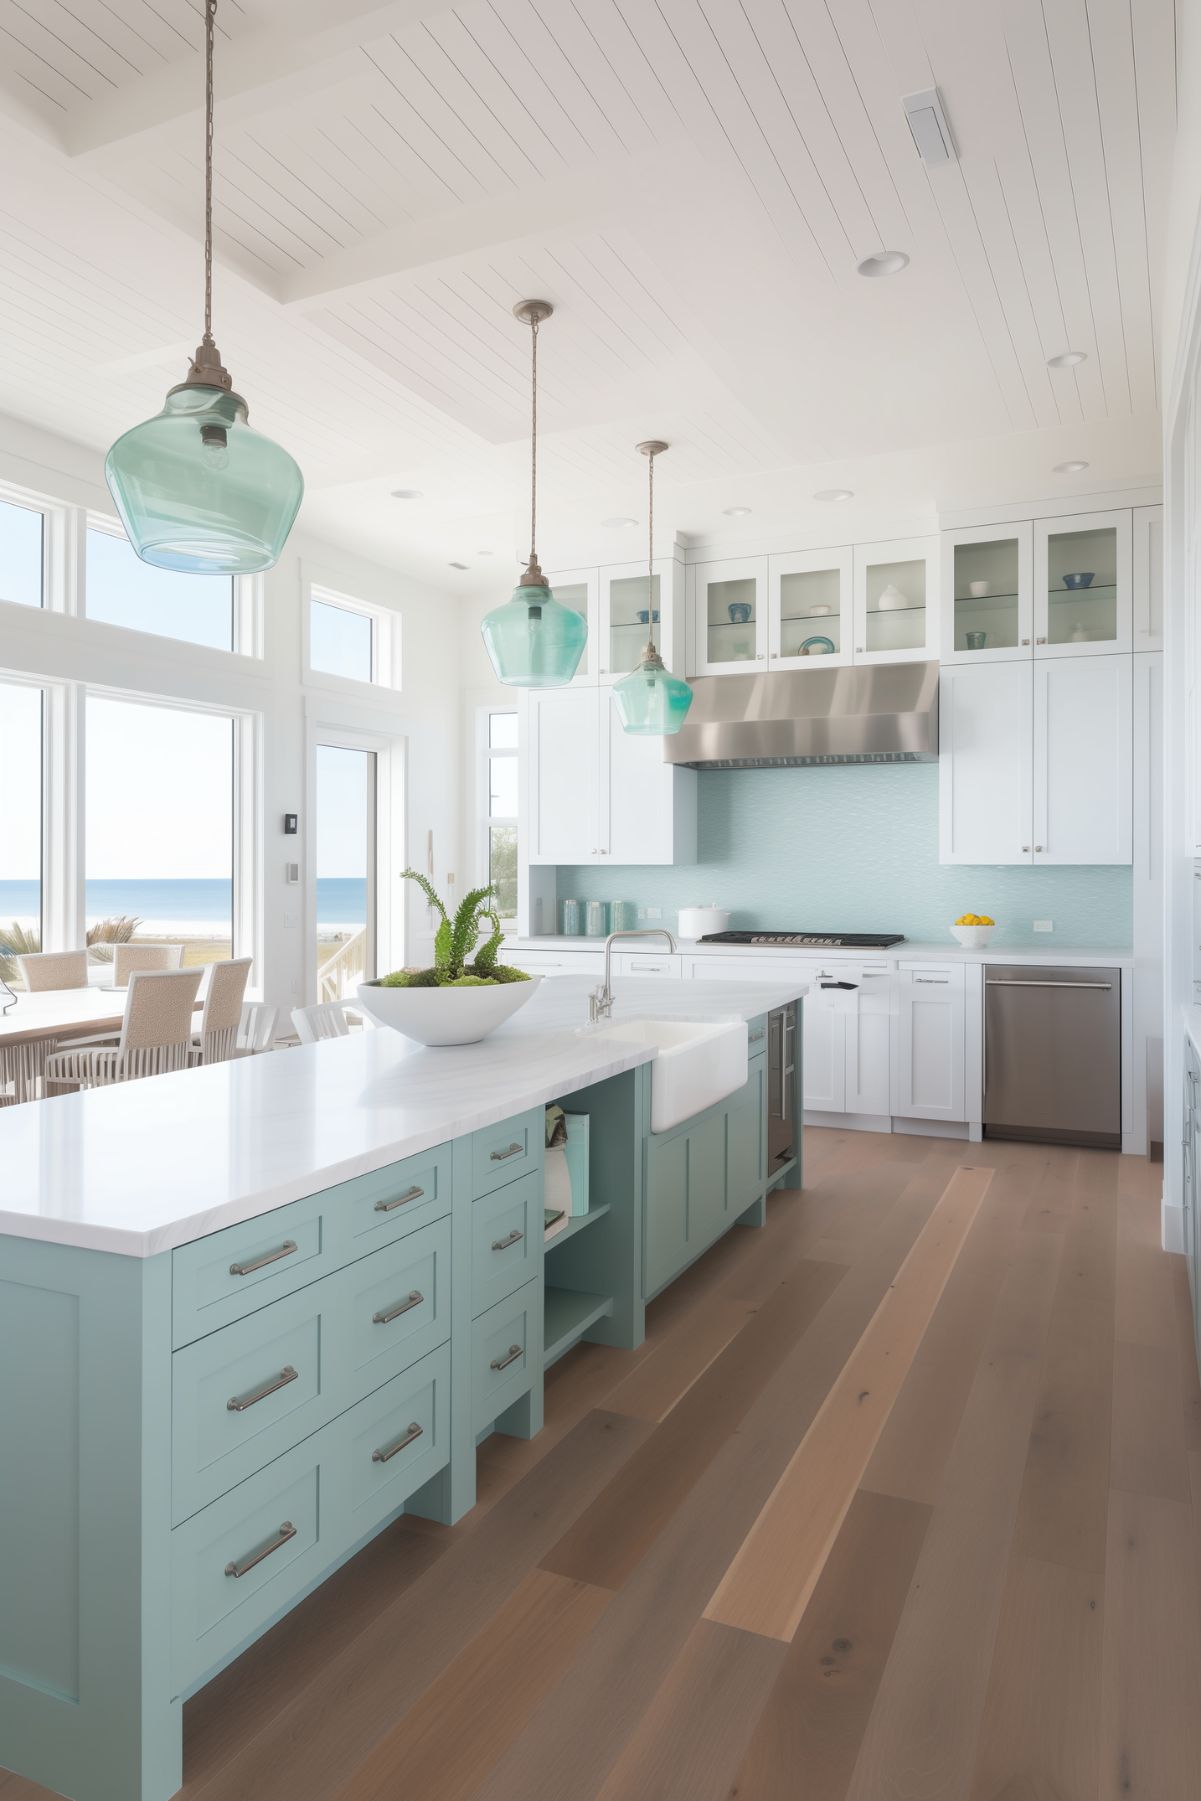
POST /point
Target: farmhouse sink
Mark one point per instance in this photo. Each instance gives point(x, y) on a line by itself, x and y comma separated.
point(698, 1063)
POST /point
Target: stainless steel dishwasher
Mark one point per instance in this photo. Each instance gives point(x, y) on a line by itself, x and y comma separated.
point(1053, 1054)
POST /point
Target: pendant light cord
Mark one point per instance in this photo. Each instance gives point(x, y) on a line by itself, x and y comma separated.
point(533, 441)
point(210, 22)
point(650, 549)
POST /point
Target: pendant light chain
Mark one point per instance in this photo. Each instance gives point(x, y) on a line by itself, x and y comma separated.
point(210, 25)
point(533, 441)
point(650, 549)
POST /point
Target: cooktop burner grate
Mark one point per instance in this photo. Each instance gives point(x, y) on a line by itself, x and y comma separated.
point(810, 940)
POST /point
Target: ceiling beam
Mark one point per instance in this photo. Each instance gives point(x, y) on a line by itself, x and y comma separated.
point(573, 201)
point(317, 46)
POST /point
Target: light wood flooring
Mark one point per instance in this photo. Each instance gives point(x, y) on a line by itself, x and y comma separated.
point(901, 1501)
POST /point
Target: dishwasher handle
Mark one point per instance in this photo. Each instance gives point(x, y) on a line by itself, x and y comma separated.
point(1004, 982)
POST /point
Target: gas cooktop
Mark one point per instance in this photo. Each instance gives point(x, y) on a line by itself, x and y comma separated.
point(814, 940)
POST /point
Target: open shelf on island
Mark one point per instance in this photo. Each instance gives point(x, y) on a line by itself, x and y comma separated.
point(560, 1234)
point(567, 1315)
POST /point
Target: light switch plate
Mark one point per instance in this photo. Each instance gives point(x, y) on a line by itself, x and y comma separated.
point(1044, 925)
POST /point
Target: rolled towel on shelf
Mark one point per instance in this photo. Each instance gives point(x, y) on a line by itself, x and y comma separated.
point(557, 1189)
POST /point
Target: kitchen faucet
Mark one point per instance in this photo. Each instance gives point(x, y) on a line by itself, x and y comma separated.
point(600, 1001)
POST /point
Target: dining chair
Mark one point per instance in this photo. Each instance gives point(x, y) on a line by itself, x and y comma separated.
point(256, 1029)
point(128, 957)
point(156, 1035)
point(221, 1017)
point(42, 970)
point(329, 1019)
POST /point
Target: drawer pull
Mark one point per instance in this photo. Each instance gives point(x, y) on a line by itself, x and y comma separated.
point(503, 1244)
point(502, 1363)
point(514, 1150)
point(247, 1269)
point(757, 1037)
point(286, 1531)
point(386, 1452)
point(239, 1403)
point(401, 1200)
point(385, 1318)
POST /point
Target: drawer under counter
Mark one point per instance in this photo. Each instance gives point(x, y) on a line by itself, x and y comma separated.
point(506, 1241)
point(506, 1353)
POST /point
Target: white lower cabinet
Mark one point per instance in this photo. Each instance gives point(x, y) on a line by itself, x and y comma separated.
point(868, 1059)
point(593, 793)
point(823, 1063)
point(929, 1042)
point(847, 1041)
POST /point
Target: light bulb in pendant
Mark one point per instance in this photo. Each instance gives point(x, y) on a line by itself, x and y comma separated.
point(214, 440)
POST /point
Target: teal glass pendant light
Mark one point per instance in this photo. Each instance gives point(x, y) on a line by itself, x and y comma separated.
point(534, 641)
point(197, 489)
point(651, 702)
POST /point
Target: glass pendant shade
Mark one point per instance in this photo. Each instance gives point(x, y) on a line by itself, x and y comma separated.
point(200, 491)
point(534, 641)
point(652, 702)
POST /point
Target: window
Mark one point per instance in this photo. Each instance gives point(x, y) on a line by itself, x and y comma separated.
point(345, 869)
point(159, 856)
point(122, 590)
point(21, 842)
point(21, 538)
point(498, 788)
point(341, 640)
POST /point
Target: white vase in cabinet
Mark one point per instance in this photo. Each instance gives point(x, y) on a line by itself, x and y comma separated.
point(596, 794)
point(809, 603)
point(896, 601)
point(729, 609)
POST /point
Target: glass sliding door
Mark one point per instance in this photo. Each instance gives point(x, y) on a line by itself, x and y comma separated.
point(21, 835)
point(345, 869)
point(159, 840)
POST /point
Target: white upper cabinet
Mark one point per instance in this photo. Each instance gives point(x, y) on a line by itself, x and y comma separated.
point(627, 612)
point(987, 594)
point(809, 609)
point(1147, 558)
point(1084, 760)
point(985, 773)
point(1083, 603)
point(580, 589)
point(596, 794)
point(896, 601)
point(729, 617)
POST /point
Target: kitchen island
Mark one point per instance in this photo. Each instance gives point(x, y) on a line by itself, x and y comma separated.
point(250, 1313)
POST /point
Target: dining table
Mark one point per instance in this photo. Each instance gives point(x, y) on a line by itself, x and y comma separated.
point(34, 1027)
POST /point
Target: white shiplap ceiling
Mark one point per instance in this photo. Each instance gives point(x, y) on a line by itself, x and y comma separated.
point(691, 182)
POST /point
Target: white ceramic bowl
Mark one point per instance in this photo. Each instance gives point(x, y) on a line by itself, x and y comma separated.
point(445, 1015)
point(973, 938)
point(698, 922)
point(978, 590)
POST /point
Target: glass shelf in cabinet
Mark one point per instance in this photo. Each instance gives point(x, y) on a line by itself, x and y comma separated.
point(1098, 592)
point(981, 600)
point(893, 612)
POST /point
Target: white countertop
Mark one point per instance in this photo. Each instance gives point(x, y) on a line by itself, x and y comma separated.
point(1062, 956)
point(144, 1166)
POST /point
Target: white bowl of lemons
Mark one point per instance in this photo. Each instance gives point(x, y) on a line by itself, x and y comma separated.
point(973, 930)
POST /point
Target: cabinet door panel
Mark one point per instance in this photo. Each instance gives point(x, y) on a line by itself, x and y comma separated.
point(929, 1044)
point(746, 1140)
point(563, 749)
point(1148, 578)
point(580, 590)
point(824, 1059)
point(729, 616)
point(638, 824)
point(1083, 760)
point(868, 1051)
point(1082, 585)
point(984, 763)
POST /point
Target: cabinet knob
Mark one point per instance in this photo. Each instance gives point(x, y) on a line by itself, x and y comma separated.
point(1025, 640)
point(858, 650)
point(1026, 849)
point(1040, 640)
point(1038, 847)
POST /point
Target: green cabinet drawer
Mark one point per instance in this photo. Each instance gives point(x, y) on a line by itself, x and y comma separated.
point(393, 1201)
point(242, 1396)
point(397, 1305)
point(392, 1443)
point(506, 1353)
point(506, 1241)
point(245, 1558)
point(500, 1154)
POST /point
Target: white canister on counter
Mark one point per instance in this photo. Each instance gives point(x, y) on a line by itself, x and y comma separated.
point(699, 922)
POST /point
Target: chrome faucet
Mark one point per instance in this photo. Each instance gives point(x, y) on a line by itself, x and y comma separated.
point(600, 1001)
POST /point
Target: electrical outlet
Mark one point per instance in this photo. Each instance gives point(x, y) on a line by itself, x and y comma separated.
point(291, 921)
point(1044, 925)
point(650, 912)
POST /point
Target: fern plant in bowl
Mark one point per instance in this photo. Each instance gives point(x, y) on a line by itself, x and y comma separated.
point(466, 992)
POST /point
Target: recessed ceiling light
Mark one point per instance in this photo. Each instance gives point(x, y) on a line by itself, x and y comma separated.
point(736, 512)
point(619, 519)
point(1072, 468)
point(456, 565)
point(1067, 359)
point(885, 262)
point(406, 494)
point(835, 494)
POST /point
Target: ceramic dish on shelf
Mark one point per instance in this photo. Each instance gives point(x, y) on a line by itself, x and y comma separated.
point(820, 611)
point(739, 611)
point(978, 590)
point(817, 647)
point(1083, 578)
point(645, 616)
point(891, 600)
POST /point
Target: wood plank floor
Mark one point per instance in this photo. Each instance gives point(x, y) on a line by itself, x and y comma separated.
point(900, 1501)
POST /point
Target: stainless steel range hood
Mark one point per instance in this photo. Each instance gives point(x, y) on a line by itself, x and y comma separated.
point(887, 713)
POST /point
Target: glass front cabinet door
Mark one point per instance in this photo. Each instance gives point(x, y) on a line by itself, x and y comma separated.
point(988, 594)
point(810, 609)
point(580, 588)
point(631, 605)
point(729, 614)
point(896, 601)
point(1082, 585)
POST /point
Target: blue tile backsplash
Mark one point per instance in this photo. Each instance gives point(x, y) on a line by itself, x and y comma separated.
point(856, 850)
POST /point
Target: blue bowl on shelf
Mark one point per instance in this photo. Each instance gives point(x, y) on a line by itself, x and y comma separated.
point(817, 647)
point(739, 611)
point(1082, 579)
point(644, 617)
